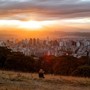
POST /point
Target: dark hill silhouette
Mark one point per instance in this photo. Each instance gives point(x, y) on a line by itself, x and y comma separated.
point(63, 65)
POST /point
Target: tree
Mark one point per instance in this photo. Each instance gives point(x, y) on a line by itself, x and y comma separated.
point(4, 51)
point(83, 71)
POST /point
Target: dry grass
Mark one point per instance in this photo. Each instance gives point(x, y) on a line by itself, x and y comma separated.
point(28, 81)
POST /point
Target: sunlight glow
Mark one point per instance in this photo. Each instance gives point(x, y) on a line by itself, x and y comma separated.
point(28, 25)
point(31, 25)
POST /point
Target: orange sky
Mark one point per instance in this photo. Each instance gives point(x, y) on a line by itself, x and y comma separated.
point(44, 15)
point(33, 25)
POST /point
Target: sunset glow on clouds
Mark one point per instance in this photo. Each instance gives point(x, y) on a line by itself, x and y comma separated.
point(37, 14)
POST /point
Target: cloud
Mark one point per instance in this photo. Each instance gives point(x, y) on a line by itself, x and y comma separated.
point(44, 9)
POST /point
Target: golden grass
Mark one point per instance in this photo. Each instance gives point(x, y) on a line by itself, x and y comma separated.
point(10, 80)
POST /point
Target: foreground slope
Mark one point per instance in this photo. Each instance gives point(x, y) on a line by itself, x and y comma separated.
point(28, 81)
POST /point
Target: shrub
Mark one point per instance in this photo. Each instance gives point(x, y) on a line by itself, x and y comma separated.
point(83, 71)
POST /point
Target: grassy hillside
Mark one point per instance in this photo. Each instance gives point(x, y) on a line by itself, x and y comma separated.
point(28, 81)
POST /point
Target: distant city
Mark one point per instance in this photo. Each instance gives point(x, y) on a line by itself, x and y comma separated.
point(76, 47)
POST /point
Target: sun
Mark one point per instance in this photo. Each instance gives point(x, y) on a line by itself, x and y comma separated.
point(31, 25)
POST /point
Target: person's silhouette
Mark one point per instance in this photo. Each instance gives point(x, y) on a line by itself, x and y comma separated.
point(41, 73)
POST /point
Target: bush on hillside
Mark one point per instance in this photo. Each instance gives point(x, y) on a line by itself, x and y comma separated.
point(83, 71)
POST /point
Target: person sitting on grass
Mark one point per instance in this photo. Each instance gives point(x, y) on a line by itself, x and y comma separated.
point(41, 73)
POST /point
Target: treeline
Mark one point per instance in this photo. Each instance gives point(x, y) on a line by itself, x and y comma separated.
point(63, 65)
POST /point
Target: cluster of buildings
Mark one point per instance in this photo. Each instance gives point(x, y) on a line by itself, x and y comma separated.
point(76, 47)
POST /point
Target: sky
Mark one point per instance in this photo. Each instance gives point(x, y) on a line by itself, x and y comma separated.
point(63, 15)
